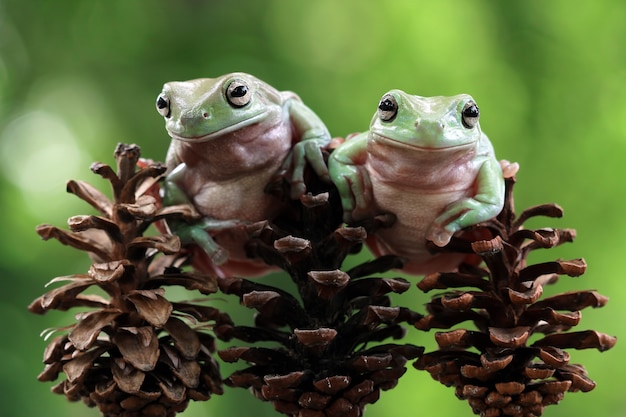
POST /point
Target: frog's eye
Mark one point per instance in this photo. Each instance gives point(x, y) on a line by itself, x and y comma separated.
point(470, 114)
point(238, 94)
point(163, 105)
point(387, 108)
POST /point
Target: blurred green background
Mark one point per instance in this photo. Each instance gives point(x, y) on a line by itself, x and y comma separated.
point(78, 77)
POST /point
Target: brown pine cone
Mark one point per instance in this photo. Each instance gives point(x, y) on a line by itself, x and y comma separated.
point(132, 352)
point(515, 362)
point(325, 356)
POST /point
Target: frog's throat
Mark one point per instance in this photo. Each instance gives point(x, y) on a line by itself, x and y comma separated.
point(407, 146)
point(223, 131)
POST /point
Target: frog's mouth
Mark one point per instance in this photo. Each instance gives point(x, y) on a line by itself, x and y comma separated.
point(409, 146)
point(220, 132)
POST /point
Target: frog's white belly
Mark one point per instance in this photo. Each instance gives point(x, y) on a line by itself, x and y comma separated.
point(416, 206)
point(415, 213)
point(243, 199)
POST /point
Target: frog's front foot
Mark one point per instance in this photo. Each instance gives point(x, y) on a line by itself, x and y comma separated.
point(355, 190)
point(459, 215)
point(310, 151)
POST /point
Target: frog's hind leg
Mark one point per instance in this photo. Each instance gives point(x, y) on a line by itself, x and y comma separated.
point(198, 233)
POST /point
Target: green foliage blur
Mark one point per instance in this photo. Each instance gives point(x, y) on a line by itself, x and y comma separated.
point(76, 77)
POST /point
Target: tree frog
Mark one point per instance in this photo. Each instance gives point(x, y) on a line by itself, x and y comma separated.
point(230, 136)
point(427, 161)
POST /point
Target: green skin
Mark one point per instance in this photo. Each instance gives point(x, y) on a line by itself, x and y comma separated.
point(230, 136)
point(430, 165)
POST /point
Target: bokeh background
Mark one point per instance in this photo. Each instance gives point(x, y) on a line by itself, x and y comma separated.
point(78, 77)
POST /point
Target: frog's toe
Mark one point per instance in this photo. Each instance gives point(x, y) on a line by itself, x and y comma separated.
point(219, 256)
point(509, 169)
point(297, 189)
point(439, 235)
point(324, 176)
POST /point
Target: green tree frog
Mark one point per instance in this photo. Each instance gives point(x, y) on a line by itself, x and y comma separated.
point(230, 136)
point(427, 161)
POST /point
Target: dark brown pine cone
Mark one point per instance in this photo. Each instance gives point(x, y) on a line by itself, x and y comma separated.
point(133, 352)
point(326, 355)
point(514, 363)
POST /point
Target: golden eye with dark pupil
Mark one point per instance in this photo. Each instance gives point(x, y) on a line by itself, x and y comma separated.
point(238, 94)
point(470, 115)
point(387, 108)
point(163, 106)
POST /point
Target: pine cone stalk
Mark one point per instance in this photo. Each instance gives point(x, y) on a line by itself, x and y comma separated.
point(515, 363)
point(327, 356)
point(132, 352)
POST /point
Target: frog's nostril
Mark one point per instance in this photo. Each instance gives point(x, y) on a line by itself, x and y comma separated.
point(205, 115)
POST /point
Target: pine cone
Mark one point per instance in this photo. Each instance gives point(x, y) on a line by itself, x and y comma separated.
point(135, 353)
point(511, 375)
point(327, 358)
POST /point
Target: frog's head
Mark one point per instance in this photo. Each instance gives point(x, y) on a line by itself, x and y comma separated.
point(428, 123)
point(202, 109)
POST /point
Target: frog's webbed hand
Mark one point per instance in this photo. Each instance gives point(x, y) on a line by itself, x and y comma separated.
point(308, 150)
point(314, 136)
point(355, 190)
point(485, 205)
point(352, 180)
